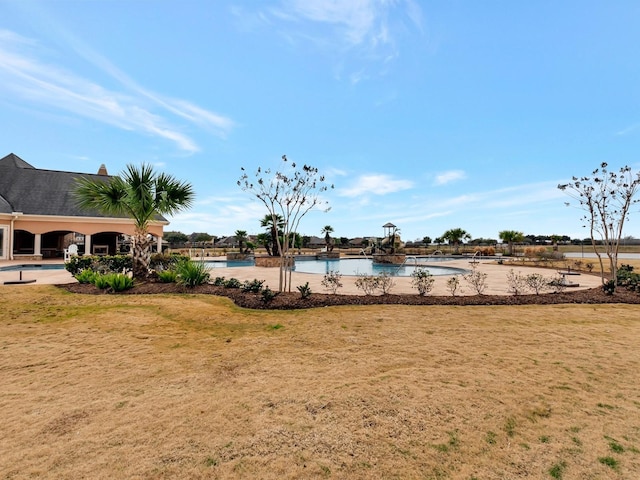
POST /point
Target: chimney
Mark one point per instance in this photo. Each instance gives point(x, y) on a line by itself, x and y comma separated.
point(102, 170)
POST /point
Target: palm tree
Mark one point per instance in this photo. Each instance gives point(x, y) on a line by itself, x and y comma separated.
point(327, 230)
point(264, 239)
point(554, 240)
point(274, 231)
point(511, 237)
point(455, 236)
point(241, 237)
point(140, 194)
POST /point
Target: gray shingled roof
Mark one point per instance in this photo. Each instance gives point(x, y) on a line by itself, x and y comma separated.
point(32, 191)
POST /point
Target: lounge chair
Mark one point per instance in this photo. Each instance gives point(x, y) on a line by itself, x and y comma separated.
point(70, 251)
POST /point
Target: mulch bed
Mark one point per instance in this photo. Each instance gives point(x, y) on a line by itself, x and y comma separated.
point(293, 300)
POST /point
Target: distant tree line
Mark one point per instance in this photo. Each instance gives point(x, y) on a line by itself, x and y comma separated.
point(178, 239)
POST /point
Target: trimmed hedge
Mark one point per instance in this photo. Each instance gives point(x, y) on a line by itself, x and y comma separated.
point(102, 264)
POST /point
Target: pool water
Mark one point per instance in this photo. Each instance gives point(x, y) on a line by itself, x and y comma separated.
point(229, 264)
point(364, 266)
point(353, 266)
point(32, 266)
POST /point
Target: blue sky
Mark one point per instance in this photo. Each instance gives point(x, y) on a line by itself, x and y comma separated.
point(429, 115)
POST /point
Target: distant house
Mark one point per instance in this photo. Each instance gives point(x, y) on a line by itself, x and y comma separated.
point(227, 242)
point(39, 216)
point(357, 242)
point(232, 241)
point(316, 242)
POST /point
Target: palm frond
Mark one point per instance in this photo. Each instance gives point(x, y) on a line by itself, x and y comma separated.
point(105, 197)
point(139, 193)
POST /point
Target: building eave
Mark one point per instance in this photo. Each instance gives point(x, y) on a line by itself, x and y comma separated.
point(76, 219)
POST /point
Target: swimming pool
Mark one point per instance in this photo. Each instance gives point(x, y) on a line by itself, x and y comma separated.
point(32, 266)
point(355, 266)
point(365, 266)
point(229, 263)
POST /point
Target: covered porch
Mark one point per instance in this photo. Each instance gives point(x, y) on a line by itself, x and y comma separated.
point(29, 237)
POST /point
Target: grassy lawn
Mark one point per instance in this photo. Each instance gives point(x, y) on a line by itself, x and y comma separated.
point(188, 387)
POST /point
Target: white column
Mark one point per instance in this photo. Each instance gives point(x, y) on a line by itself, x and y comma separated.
point(37, 244)
point(87, 244)
point(159, 244)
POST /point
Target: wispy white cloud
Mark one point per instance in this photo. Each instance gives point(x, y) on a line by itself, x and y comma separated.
point(365, 28)
point(336, 172)
point(414, 12)
point(494, 201)
point(530, 193)
point(431, 213)
point(357, 19)
point(375, 185)
point(181, 108)
point(199, 116)
point(450, 176)
point(629, 129)
point(24, 74)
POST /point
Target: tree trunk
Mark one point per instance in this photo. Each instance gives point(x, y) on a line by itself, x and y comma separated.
point(141, 254)
point(275, 244)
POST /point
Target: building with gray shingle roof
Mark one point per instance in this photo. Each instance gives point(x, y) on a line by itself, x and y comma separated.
point(39, 215)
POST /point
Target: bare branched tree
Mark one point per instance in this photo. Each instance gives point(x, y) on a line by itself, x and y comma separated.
point(607, 198)
point(288, 194)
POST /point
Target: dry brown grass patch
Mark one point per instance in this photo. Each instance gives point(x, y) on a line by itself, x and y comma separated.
point(194, 387)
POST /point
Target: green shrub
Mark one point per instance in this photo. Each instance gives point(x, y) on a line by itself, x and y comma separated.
point(86, 276)
point(100, 280)
point(102, 264)
point(191, 274)
point(167, 276)
point(305, 290)
point(119, 282)
point(115, 263)
point(160, 261)
point(232, 283)
point(625, 268)
point(116, 282)
point(253, 286)
point(219, 281)
point(628, 279)
point(268, 295)
point(609, 287)
point(77, 264)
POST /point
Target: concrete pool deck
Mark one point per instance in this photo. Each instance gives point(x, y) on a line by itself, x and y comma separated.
point(496, 277)
point(41, 277)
